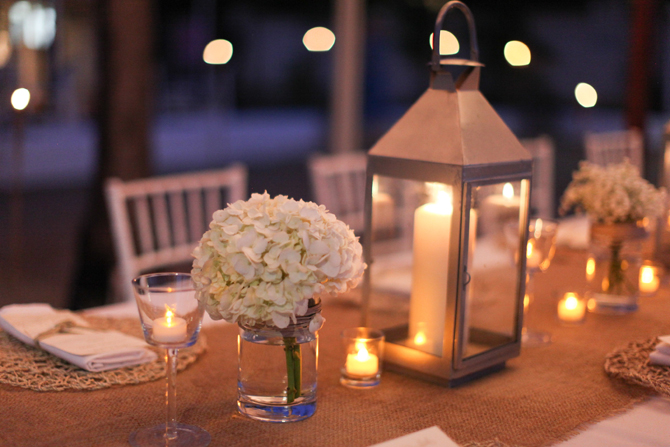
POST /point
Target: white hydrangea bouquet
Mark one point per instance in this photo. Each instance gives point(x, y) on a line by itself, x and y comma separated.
point(263, 260)
point(612, 194)
point(616, 199)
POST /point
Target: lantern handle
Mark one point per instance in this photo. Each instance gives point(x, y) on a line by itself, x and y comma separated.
point(437, 61)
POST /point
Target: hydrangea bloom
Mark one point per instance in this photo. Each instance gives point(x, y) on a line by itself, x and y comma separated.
point(612, 194)
point(265, 257)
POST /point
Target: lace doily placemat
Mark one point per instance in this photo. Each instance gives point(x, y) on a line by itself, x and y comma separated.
point(631, 364)
point(28, 367)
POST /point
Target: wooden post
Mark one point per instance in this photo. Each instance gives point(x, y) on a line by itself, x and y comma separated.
point(346, 121)
point(126, 83)
point(643, 20)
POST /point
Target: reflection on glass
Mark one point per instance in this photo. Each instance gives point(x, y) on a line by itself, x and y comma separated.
point(539, 253)
point(491, 293)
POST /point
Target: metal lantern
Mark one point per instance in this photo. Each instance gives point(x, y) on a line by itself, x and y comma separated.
point(446, 218)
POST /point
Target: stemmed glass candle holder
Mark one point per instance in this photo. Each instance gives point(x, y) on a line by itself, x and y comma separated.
point(363, 355)
point(171, 316)
point(539, 253)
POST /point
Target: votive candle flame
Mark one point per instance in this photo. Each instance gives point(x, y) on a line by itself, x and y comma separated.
point(362, 363)
point(571, 309)
point(170, 328)
point(649, 281)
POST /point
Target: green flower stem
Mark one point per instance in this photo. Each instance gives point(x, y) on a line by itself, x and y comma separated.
point(293, 369)
point(615, 275)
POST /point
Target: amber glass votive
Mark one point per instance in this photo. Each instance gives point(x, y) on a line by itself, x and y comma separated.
point(363, 353)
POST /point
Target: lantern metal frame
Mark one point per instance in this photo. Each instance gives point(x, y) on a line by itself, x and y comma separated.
point(498, 157)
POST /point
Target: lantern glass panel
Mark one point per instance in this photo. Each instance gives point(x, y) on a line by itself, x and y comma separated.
point(490, 293)
point(411, 232)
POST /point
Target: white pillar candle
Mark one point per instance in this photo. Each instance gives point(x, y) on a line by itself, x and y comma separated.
point(169, 329)
point(428, 303)
point(571, 309)
point(362, 364)
point(649, 280)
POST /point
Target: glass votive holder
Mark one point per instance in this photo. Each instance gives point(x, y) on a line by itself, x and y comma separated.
point(572, 308)
point(363, 350)
point(170, 313)
point(650, 278)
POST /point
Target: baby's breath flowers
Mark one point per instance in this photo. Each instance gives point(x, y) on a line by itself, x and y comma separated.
point(615, 198)
point(612, 194)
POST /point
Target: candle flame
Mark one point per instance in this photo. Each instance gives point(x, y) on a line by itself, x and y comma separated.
point(590, 269)
point(571, 301)
point(362, 355)
point(375, 185)
point(420, 338)
point(526, 302)
point(529, 248)
point(440, 196)
point(647, 274)
point(508, 191)
point(169, 314)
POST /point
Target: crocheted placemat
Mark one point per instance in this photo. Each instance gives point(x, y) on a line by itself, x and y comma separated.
point(29, 367)
point(631, 364)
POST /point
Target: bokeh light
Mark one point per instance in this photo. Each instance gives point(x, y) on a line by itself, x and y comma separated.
point(32, 24)
point(218, 52)
point(448, 43)
point(517, 53)
point(586, 95)
point(20, 98)
point(319, 39)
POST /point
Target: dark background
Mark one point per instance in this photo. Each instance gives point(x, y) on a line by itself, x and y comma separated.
point(269, 107)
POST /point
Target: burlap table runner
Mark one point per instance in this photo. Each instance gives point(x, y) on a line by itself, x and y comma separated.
point(544, 396)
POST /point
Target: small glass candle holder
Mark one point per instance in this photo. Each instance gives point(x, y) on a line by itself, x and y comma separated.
point(363, 356)
point(171, 316)
point(572, 308)
point(650, 278)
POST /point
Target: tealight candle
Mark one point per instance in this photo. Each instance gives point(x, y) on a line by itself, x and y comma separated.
point(571, 309)
point(363, 349)
point(649, 280)
point(169, 329)
point(362, 363)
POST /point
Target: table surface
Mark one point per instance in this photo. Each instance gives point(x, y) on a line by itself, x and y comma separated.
point(645, 424)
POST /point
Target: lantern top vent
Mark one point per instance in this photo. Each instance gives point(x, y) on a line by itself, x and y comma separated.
point(452, 123)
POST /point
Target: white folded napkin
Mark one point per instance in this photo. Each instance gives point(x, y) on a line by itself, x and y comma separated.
point(68, 336)
point(661, 354)
point(428, 437)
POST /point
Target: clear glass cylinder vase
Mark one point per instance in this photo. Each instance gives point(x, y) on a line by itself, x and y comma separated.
point(612, 270)
point(277, 372)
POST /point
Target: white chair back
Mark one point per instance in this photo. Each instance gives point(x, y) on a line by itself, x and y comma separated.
point(157, 222)
point(606, 148)
point(543, 182)
point(338, 182)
